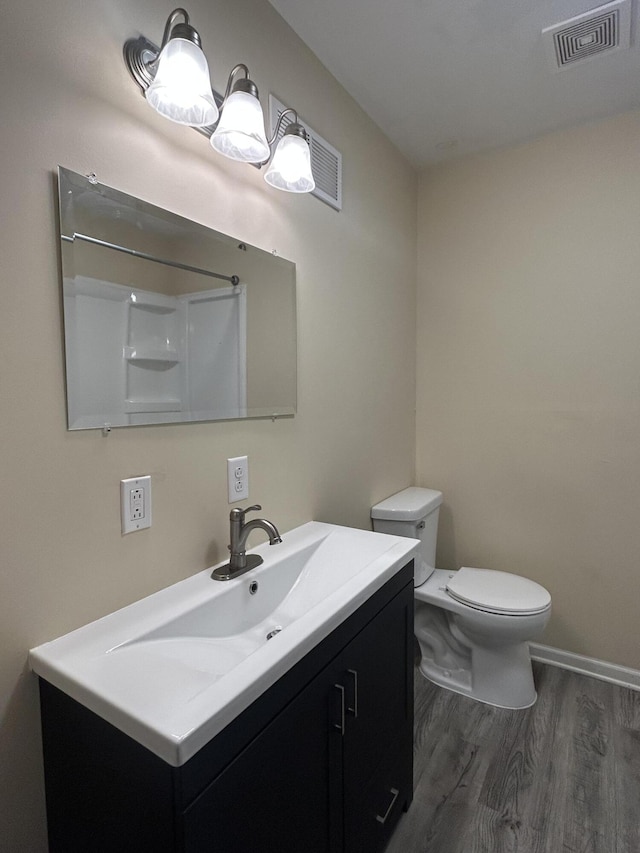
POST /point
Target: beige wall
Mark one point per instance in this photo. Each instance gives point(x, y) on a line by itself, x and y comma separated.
point(528, 404)
point(67, 99)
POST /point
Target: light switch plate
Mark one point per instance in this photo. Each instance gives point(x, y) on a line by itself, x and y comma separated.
point(135, 503)
point(238, 478)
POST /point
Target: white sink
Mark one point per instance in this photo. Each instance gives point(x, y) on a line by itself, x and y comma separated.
point(173, 669)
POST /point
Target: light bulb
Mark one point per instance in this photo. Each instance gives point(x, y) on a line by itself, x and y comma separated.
point(240, 132)
point(181, 89)
point(290, 169)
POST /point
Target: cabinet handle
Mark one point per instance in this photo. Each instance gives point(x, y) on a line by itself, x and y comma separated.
point(340, 725)
point(394, 792)
point(354, 709)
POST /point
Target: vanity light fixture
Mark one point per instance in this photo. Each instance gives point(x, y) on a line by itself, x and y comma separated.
point(174, 79)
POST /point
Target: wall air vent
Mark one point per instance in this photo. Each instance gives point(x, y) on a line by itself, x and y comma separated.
point(326, 161)
point(603, 30)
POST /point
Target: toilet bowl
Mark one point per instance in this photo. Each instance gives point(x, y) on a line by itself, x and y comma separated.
point(474, 625)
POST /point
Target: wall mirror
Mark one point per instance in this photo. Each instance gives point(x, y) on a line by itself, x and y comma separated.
point(166, 320)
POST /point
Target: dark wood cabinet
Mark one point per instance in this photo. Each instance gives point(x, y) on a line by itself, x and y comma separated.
point(321, 763)
point(379, 732)
point(279, 789)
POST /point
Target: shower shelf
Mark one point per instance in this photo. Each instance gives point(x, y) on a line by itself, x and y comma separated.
point(133, 407)
point(154, 307)
point(155, 356)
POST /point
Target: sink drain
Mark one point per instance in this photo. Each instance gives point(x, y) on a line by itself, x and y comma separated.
point(275, 631)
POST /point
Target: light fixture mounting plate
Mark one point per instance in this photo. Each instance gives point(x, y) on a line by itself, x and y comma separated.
point(140, 55)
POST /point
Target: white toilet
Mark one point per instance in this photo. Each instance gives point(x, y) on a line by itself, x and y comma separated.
point(473, 625)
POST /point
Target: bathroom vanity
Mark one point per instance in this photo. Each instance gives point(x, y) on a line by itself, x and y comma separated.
point(320, 761)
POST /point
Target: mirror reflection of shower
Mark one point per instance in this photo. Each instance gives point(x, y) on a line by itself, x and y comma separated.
point(147, 357)
point(167, 320)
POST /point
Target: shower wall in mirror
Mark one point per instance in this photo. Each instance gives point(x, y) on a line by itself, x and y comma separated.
point(166, 320)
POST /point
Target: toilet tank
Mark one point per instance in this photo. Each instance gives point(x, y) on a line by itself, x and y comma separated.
point(412, 512)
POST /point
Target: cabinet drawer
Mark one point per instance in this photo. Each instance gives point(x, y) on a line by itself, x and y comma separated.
point(371, 820)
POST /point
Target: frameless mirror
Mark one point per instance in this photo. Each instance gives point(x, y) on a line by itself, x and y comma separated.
point(166, 320)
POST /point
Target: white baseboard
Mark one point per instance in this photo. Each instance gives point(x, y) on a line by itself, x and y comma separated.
point(622, 675)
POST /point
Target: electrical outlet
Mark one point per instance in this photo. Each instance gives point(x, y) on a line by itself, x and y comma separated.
point(238, 478)
point(135, 503)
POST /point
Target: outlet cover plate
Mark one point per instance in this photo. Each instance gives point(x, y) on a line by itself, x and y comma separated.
point(238, 478)
point(135, 503)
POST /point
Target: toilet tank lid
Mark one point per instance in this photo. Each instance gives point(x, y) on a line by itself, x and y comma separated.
point(410, 504)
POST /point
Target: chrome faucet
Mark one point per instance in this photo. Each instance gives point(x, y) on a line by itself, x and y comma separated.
point(239, 562)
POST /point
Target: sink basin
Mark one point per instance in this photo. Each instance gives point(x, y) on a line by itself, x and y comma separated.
point(173, 669)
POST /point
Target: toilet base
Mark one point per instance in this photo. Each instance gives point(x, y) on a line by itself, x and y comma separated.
point(473, 652)
point(503, 681)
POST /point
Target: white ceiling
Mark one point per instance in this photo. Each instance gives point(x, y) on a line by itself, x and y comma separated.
point(444, 78)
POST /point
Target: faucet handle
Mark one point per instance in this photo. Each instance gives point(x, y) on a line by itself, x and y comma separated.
point(237, 512)
point(254, 508)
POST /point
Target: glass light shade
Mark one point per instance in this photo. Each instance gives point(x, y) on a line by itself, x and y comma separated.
point(290, 168)
point(181, 90)
point(240, 132)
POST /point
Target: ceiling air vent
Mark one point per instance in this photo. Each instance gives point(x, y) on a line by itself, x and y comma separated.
point(326, 161)
point(602, 30)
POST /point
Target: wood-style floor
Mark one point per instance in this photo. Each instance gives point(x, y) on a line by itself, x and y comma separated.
point(561, 777)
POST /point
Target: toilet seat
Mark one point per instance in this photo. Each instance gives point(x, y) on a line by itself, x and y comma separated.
point(498, 592)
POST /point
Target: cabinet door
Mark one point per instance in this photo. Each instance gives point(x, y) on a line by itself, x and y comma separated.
point(284, 791)
point(378, 678)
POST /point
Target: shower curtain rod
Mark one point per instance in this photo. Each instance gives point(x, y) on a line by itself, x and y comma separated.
point(234, 279)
